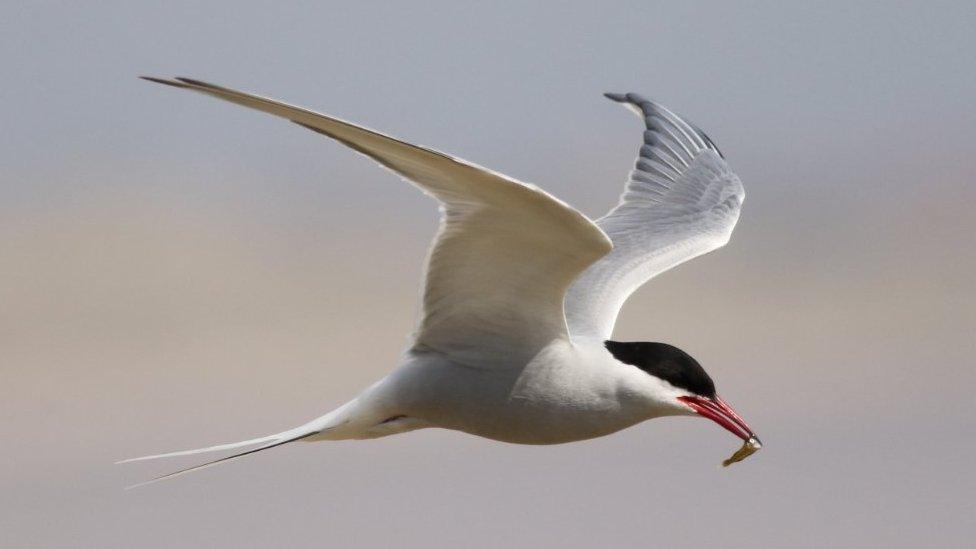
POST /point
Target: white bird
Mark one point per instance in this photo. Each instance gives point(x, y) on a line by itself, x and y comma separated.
point(522, 292)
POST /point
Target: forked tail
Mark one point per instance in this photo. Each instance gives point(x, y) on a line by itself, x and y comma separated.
point(325, 424)
point(216, 461)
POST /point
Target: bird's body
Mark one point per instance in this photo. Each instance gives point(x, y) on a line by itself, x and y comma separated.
point(522, 292)
point(564, 393)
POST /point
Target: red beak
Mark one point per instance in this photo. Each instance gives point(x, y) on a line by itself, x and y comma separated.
point(720, 412)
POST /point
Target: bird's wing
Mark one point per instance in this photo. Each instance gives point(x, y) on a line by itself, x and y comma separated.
point(504, 256)
point(681, 201)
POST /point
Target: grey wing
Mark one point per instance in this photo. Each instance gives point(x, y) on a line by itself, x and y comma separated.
point(681, 201)
point(505, 254)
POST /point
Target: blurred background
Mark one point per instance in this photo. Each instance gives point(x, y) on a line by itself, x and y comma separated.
point(177, 272)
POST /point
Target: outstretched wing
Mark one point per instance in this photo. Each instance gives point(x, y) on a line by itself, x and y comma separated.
point(681, 201)
point(504, 256)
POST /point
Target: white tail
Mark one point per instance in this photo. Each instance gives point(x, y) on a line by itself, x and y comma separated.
point(277, 442)
point(217, 448)
point(321, 426)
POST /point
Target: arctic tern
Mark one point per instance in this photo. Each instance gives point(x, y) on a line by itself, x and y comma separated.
point(522, 292)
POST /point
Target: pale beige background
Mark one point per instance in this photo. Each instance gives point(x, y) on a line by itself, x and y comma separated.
point(176, 272)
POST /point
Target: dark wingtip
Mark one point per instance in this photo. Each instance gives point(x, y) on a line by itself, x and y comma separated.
point(181, 82)
point(195, 82)
point(163, 81)
point(632, 98)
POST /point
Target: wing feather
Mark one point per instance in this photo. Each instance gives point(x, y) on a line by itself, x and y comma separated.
point(505, 253)
point(682, 200)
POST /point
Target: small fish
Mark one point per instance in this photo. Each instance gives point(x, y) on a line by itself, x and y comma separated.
point(749, 447)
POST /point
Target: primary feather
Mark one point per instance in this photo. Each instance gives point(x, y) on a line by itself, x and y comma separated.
point(682, 200)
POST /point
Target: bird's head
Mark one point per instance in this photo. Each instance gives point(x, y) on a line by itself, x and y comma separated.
point(677, 385)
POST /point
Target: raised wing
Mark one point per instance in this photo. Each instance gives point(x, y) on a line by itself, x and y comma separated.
point(681, 201)
point(505, 254)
